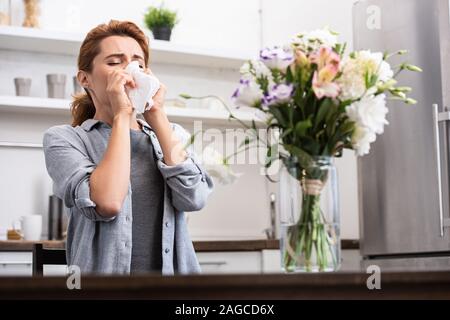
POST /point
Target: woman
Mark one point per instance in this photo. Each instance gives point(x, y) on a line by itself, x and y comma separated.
point(127, 182)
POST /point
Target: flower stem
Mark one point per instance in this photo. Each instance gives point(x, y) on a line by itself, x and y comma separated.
point(308, 241)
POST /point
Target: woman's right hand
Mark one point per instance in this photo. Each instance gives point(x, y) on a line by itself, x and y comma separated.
point(118, 80)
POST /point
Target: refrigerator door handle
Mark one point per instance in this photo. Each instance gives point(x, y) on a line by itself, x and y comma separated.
point(440, 117)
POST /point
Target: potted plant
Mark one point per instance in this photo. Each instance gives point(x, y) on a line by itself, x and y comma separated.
point(160, 21)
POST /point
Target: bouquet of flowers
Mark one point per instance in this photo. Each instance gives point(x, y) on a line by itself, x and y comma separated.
point(321, 101)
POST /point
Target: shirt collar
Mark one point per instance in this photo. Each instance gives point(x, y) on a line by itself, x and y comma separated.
point(88, 124)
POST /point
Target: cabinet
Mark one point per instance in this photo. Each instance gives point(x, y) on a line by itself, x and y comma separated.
point(15, 263)
point(230, 262)
point(20, 263)
point(262, 261)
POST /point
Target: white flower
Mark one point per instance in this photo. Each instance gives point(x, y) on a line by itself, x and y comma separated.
point(258, 68)
point(249, 94)
point(361, 140)
point(279, 93)
point(213, 162)
point(382, 68)
point(369, 112)
point(277, 58)
point(354, 70)
point(311, 41)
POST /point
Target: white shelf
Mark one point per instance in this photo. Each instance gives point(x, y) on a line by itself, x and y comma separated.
point(34, 105)
point(59, 42)
point(176, 114)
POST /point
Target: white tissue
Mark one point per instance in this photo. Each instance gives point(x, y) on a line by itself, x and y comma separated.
point(146, 87)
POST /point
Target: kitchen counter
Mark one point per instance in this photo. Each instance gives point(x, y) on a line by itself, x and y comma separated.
point(200, 246)
point(404, 285)
point(24, 245)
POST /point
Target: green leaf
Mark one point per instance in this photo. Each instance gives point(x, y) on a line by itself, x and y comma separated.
point(346, 127)
point(185, 96)
point(304, 158)
point(245, 142)
point(278, 115)
point(310, 145)
point(302, 126)
point(253, 124)
point(289, 75)
point(324, 109)
point(272, 154)
point(286, 132)
point(373, 80)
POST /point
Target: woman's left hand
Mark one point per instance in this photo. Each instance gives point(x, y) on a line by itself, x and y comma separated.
point(171, 146)
point(158, 98)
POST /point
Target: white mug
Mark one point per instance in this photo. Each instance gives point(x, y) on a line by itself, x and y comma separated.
point(31, 227)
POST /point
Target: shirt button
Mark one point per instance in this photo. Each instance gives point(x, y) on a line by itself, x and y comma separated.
point(166, 250)
point(167, 224)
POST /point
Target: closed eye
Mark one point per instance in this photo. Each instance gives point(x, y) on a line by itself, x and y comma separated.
point(115, 63)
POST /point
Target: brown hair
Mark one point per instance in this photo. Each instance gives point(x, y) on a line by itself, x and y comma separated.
point(82, 107)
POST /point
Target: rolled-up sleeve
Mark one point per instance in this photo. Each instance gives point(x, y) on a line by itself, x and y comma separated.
point(70, 169)
point(189, 182)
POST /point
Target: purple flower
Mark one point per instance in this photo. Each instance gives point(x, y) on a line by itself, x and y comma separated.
point(277, 58)
point(279, 93)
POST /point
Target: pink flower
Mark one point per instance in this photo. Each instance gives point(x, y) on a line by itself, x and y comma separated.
point(327, 62)
point(325, 56)
point(323, 86)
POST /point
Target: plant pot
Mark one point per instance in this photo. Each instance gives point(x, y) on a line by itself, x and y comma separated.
point(162, 33)
point(310, 221)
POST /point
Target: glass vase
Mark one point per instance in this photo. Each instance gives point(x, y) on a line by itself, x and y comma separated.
point(309, 212)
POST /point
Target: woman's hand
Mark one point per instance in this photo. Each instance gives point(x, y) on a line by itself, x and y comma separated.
point(118, 80)
point(171, 146)
point(158, 98)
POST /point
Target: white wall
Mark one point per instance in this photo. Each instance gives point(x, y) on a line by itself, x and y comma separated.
point(225, 24)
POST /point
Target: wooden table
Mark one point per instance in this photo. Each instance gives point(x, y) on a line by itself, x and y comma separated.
point(406, 285)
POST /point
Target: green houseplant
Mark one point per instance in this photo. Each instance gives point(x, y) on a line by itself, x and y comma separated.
point(160, 21)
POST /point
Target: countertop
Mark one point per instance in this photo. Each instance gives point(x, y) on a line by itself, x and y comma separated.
point(401, 285)
point(200, 246)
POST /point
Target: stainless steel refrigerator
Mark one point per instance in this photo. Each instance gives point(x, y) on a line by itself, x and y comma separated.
point(404, 182)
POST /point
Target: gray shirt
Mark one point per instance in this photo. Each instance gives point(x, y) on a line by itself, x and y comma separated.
point(104, 245)
point(147, 185)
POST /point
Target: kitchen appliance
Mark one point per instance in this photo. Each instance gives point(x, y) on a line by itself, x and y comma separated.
point(404, 181)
